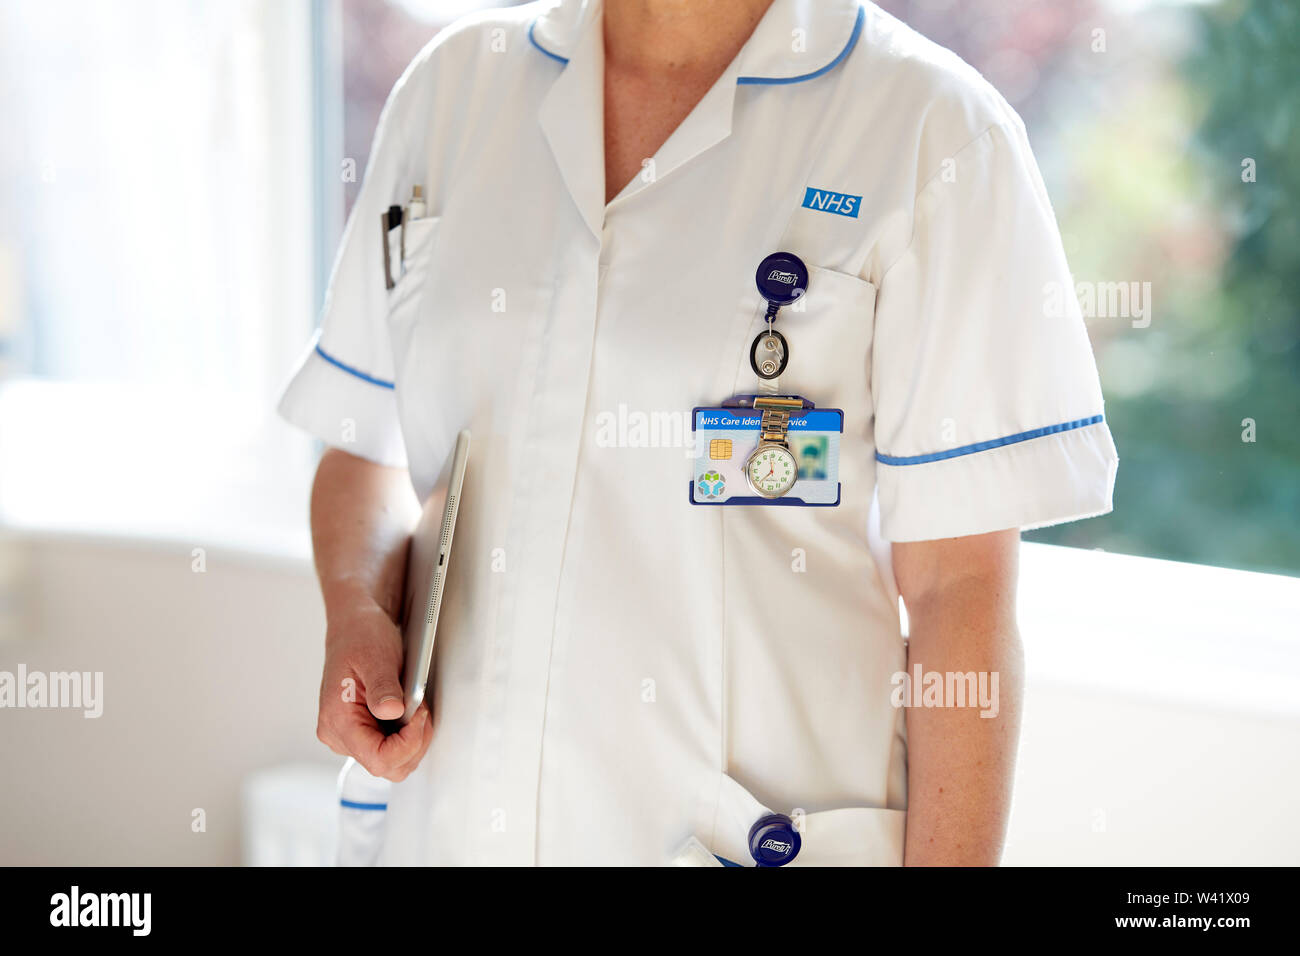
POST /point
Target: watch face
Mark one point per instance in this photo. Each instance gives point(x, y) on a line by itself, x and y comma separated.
point(771, 470)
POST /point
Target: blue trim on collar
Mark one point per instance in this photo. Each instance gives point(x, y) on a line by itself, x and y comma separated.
point(986, 445)
point(750, 80)
point(533, 40)
point(353, 371)
point(785, 81)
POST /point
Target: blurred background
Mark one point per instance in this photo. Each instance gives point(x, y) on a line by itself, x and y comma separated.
point(174, 178)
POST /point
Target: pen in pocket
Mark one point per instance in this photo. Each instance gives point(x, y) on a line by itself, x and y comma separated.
point(388, 221)
point(396, 218)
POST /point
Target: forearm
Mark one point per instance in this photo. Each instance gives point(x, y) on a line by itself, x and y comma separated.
point(961, 759)
point(361, 517)
point(960, 763)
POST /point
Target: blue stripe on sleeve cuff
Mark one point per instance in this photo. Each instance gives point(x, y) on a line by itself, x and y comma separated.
point(352, 371)
point(354, 805)
point(986, 445)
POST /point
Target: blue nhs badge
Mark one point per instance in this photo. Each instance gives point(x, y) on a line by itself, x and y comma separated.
point(841, 204)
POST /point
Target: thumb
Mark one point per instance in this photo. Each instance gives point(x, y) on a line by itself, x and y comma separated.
point(380, 678)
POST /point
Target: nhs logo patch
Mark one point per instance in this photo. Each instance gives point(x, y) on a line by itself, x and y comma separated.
point(841, 204)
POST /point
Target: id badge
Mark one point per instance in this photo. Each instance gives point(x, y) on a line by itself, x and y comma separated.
point(737, 462)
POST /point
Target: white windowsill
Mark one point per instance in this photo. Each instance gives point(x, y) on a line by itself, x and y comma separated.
point(88, 461)
point(1188, 634)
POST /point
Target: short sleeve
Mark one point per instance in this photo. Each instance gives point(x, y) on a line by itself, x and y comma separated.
point(988, 409)
point(343, 390)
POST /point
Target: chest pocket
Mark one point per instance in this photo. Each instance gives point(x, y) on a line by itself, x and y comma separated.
point(410, 267)
point(829, 331)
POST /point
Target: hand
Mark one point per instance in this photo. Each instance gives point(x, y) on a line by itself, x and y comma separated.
point(361, 685)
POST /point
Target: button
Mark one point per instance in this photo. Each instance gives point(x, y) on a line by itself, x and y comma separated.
point(781, 277)
point(773, 840)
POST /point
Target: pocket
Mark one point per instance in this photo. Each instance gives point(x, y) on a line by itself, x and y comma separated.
point(852, 836)
point(411, 268)
point(829, 334)
point(848, 836)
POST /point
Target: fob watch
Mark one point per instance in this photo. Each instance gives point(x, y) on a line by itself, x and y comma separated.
point(771, 470)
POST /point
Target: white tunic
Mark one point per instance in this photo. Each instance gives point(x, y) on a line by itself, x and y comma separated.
point(618, 670)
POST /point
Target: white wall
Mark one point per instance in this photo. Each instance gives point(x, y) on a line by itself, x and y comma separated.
point(210, 677)
point(1116, 781)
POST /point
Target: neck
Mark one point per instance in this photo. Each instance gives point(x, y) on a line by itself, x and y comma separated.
point(655, 36)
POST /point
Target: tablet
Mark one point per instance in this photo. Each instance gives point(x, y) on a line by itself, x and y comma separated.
point(427, 560)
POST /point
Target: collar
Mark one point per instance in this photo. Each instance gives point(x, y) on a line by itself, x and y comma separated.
point(796, 40)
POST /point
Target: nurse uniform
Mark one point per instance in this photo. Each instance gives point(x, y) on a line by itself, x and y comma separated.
point(618, 671)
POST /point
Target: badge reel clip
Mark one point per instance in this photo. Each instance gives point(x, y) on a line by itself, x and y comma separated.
point(782, 279)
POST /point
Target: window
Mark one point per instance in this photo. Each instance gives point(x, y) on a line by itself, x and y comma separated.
point(158, 268)
point(171, 195)
point(176, 177)
point(1167, 134)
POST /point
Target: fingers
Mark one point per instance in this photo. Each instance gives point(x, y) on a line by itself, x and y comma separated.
point(394, 756)
point(426, 738)
point(379, 667)
point(366, 660)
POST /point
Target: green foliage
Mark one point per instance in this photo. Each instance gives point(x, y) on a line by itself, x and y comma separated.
point(1189, 487)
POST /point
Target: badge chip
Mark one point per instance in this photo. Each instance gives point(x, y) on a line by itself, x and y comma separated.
point(720, 449)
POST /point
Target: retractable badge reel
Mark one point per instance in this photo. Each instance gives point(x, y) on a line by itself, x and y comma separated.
point(782, 279)
point(774, 840)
